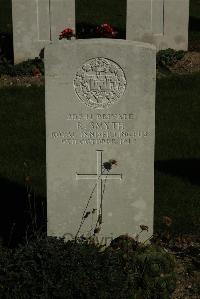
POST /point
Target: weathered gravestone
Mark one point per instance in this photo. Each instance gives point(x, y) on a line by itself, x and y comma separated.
point(161, 22)
point(100, 97)
point(37, 22)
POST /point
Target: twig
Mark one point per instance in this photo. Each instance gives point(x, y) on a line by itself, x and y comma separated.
point(100, 216)
point(83, 218)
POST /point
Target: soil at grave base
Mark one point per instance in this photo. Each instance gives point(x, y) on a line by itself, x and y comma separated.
point(187, 257)
point(27, 81)
point(189, 64)
point(188, 281)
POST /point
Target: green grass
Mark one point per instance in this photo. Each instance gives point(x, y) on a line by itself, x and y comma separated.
point(177, 150)
point(195, 8)
point(177, 198)
point(177, 117)
point(5, 16)
point(22, 130)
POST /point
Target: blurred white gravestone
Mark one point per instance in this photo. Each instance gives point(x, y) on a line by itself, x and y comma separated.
point(161, 22)
point(37, 22)
point(100, 97)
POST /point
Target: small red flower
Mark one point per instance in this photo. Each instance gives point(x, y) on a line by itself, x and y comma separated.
point(113, 162)
point(66, 33)
point(36, 72)
point(105, 30)
point(108, 165)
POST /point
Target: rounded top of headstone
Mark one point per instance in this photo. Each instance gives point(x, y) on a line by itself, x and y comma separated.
point(105, 40)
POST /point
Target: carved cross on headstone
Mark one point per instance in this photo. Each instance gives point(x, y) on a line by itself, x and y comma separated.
point(100, 176)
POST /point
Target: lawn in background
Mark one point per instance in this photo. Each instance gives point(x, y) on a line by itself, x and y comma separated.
point(195, 9)
point(22, 164)
point(6, 16)
point(177, 150)
point(22, 130)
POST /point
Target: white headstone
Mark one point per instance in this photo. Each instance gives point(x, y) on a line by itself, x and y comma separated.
point(37, 22)
point(161, 22)
point(100, 97)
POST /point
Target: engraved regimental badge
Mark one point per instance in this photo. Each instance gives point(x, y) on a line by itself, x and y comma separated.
point(99, 83)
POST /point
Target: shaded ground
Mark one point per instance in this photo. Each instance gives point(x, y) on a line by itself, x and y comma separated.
point(190, 63)
point(22, 212)
point(186, 250)
point(25, 81)
point(188, 280)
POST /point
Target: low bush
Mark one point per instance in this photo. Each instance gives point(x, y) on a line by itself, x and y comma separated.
point(169, 57)
point(31, 67)
point(52, 268)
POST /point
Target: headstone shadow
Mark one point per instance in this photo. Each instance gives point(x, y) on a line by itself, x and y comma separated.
point(22, 214)
point(187, 169)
